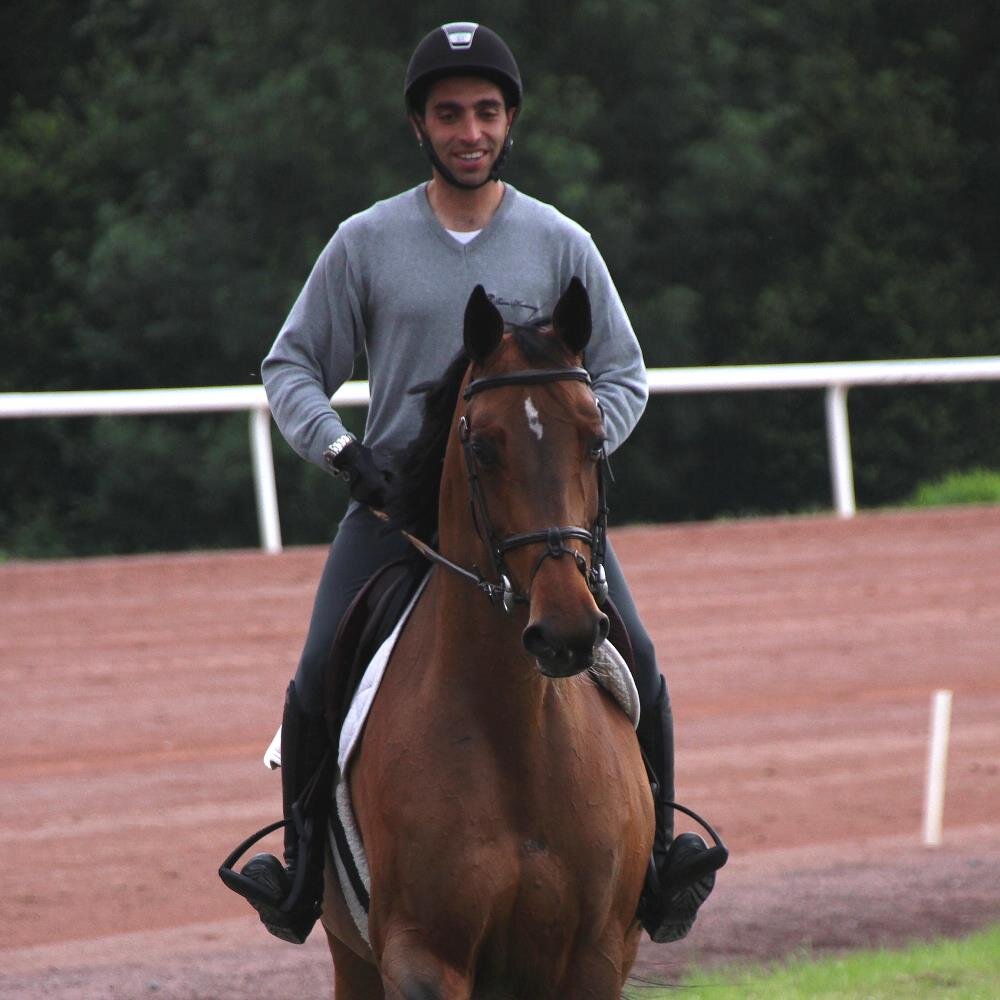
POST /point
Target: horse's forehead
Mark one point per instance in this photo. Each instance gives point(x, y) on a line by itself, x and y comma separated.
point(564, 404)
point(512, 356)
point(542, 350)
point(558, 398)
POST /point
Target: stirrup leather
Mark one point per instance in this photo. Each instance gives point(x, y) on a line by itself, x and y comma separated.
point(668, 906)
point(291, 918)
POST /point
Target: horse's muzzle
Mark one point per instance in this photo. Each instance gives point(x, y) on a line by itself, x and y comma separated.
point(562, 654)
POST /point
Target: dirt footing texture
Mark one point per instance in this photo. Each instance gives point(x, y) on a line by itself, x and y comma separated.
point(801, 655)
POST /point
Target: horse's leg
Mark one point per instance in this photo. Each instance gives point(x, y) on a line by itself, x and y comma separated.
point(411, 972)
point(603, 984)
point(354, 978)
point(596, 973)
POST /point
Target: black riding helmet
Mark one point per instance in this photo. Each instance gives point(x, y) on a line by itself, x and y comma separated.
point(461, 48)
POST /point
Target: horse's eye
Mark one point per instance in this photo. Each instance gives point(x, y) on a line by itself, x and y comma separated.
point(596, 452)
point(484, 450)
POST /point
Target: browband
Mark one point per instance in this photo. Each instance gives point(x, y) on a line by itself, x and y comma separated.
point(526, 378)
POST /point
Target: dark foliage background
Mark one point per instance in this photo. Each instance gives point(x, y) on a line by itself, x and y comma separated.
point(794, 180)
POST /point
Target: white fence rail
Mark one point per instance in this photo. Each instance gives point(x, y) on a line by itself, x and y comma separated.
point(835, 378)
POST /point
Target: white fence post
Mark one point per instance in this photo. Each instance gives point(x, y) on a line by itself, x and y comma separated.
point(838, 436)
point(263, 480)
point(937, 764)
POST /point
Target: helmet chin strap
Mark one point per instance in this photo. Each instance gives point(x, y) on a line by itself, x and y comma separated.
point(447, 175)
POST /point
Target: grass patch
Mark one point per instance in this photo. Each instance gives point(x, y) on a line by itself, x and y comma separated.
point(973, 486)
point(965, 969)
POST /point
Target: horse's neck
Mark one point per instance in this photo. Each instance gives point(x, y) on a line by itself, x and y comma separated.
point(470, 625)
point(476, 656)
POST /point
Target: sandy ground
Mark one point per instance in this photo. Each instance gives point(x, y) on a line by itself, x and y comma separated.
point(801, 654)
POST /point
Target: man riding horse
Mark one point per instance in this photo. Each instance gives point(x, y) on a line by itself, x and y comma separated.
point(393, 282)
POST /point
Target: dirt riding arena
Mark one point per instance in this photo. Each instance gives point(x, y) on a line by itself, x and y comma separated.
point(139, 694)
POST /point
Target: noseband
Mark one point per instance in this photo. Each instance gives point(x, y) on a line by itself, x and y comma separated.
point(553, 538)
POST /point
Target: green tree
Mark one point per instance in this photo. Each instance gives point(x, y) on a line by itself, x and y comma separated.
point(769, 182)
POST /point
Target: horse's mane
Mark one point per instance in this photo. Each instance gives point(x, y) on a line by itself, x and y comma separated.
point(412, 496)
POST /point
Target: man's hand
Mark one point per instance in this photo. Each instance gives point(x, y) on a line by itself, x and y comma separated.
point(366, 481)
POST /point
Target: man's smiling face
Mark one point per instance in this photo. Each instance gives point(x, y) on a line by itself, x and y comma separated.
point(467, 122)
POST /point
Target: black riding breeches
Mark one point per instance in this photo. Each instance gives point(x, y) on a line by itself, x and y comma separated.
point(360, 548)
point(647, 673)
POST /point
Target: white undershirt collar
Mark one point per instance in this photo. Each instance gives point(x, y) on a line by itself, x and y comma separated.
point(464, 237)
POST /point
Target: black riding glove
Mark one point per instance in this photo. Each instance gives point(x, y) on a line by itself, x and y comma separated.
point(366, 481)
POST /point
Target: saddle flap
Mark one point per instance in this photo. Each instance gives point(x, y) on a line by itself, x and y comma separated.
point(366, 624)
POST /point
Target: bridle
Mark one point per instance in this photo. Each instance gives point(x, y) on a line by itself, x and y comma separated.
point(554, 538)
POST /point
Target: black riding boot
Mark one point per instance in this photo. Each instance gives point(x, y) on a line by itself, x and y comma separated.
point(676, 884)
point(295, 889)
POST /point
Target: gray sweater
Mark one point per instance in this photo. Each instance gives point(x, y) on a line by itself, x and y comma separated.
point(392, 282)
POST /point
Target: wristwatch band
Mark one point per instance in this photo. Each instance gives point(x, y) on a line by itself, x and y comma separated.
point(334, 450)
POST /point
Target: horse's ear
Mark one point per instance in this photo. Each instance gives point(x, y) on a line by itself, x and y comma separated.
point(483, 326)
point(571, 316)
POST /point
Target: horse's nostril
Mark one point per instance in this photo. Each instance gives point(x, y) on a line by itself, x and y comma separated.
point(565, 653)
point(535, 643)
point(603, 627)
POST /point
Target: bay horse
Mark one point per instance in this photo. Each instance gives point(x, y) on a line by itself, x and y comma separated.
point(500, 794)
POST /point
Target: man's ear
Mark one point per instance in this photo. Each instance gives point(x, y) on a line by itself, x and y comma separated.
point(416, 123)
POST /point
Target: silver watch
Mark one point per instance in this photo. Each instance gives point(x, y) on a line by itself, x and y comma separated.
point(333, 451)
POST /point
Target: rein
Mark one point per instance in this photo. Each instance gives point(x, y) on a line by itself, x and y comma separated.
point(552, 537)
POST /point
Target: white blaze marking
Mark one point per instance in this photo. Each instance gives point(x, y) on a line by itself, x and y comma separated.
point(533, 422)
